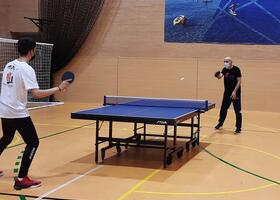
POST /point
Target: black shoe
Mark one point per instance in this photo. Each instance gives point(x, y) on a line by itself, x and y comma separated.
point(219, 125)
point(237, 131)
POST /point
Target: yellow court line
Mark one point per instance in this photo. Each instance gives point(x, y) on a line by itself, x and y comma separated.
point(16, 140)
point(246, 147)
point(138, 185)
point(216, 193)
point(242, 146)
point(58, 125)
point(268, 129)
point(206, 193)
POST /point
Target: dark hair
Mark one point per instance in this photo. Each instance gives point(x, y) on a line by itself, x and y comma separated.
point(25, 45)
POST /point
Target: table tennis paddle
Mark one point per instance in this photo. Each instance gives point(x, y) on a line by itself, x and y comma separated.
point(68, 75)
point(217, 74)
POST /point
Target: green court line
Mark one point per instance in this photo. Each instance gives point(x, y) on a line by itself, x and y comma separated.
point(32, 196)
point(16, 170)
point(17, 163)
point(240, 169)
point(21, 197)
point(54, 134)
point(213, 155)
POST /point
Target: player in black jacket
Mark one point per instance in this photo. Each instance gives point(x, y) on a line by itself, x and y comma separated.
point(232, 93)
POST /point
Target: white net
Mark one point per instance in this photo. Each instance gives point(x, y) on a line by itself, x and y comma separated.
point(41, 63)
point(156, 102)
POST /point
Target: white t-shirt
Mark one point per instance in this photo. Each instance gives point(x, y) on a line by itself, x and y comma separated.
point(18, 78)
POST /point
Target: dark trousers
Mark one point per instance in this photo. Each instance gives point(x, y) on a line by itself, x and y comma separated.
point(237, 109)
point(28, 133)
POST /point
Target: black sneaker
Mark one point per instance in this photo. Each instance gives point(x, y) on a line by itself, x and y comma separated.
point(237, 131)
point(1, 173)
point(218, 126)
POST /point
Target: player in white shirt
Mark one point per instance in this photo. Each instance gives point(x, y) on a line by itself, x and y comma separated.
point(19, 78)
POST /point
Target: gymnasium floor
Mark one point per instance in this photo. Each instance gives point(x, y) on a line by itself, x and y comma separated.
point(230, 167)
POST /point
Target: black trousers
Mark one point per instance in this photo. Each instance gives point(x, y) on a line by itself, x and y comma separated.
point(26, 129)
point(237, 109)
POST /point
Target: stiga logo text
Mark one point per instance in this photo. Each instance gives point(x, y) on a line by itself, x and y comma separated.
point(161, 122)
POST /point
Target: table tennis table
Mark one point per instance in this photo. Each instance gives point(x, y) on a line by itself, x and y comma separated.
point(143, 111)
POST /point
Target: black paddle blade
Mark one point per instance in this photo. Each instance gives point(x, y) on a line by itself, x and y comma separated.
point(68, 75)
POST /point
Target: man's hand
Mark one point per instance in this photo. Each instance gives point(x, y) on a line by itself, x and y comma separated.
point(217, 74)
point(38, 93)
point(64, 85)
point(233, 95)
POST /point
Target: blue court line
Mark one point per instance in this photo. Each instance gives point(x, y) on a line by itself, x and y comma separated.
point(267, 12)
point(250, 28)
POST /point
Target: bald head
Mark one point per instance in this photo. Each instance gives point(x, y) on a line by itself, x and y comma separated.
point(228, 62)
point(228, 58)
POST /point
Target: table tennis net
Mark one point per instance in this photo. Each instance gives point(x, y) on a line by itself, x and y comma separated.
point(156, 102)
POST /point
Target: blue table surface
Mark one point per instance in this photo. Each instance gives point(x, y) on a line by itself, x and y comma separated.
point(139, 111)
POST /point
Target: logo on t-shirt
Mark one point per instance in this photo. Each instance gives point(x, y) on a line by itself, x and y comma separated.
point(9, 78)
point(9, 75)
point(229, 76)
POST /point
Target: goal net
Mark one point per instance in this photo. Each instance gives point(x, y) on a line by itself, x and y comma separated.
point(41, 63)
